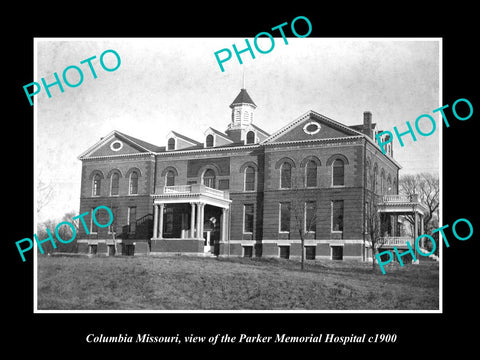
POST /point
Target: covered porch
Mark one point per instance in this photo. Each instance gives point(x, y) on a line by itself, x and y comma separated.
point(190, 219)
point(391, 207)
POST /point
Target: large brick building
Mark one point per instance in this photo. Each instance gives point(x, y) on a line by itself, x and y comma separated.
point(242, 192)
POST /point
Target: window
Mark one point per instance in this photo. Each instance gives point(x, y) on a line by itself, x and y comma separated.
point(248, 251)
point(250, 137)
point(338, 173)
point(132, 218)
point(311, 216)
point(170, 178)
point(284, 252)
point(134, 183)
point(284, 217)
point(337, 252)
point(115, 182)
point(374, 180)
point(310, 252)
point(209, 140)
point(337, 215)
point(97, 182)
point(286, 176)
point(249, 178)
point(171, 144)
point(311, 174)
point(93, 226)
point(209, 178)
point(92, 249)
point(248, 211)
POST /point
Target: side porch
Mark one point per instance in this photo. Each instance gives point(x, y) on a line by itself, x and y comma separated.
point(189, 219)
point(391, 208)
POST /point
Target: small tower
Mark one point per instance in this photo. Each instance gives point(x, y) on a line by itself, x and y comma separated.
point(243, 108)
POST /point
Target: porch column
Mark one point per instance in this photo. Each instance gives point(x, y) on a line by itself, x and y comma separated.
point(192, 221)
point(199, 231)
point(201, 215)
point(415, 236)
point(155, 220)
point(422, 230)
point(223, 230)
point(160, 230)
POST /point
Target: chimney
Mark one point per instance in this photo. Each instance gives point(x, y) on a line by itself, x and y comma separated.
point(367, 124)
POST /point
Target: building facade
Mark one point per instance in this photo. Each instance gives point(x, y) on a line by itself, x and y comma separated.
point(243, 192)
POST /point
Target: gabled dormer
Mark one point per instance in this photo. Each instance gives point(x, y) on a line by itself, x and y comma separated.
point(214, 138)
point(176, 141)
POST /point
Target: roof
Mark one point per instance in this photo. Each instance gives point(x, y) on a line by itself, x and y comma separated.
point(260, 130)
point(219, 133)
point(243, 98)
point(184, 137)
point(360, 127)
point(144, 144)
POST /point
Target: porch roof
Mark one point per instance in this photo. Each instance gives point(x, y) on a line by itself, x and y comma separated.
point(195, 193)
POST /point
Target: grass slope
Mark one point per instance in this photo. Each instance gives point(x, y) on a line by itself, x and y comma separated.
point(191, 283)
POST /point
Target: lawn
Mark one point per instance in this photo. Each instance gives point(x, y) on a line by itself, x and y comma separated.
point(195, 283)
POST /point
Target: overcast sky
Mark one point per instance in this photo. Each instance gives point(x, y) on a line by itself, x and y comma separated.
point(176, 84)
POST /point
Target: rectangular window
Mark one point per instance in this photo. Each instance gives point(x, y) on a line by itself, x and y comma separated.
point(338, 173)
point(93, 226)
point(132, 218)
point(248, 211)
point(285, 217)
point(311, 216)
point(310, 252)
point(337, 215)
point(284, 252)
point(248, 251)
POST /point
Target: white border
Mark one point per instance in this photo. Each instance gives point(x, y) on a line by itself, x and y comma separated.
point(116, 142)
point(314, 131)
point(35, 217)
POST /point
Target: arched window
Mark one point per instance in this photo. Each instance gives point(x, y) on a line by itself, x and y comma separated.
point(250, 137)
point(209, 178)
point(209, 140)
point(374, 180)
point(286, 176)
point(134, 183)
point(249, 178)
point(97, 183)
point(382, 182)
point(115, 182)
point(170, 178)
point(338, 173)
point(171, 144)
point(311, 174)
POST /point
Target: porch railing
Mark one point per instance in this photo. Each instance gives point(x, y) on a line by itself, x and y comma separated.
point(399, 198)
point(395, 240)
point(194, 188)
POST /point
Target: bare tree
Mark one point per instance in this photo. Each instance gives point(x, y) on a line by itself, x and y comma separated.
point(44, 194)
point(64, 232)
point(426, 186)
point(374, 226)
point(304, 212)
point(303, 209)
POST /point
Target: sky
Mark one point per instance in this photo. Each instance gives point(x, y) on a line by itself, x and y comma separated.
point(165, 84)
